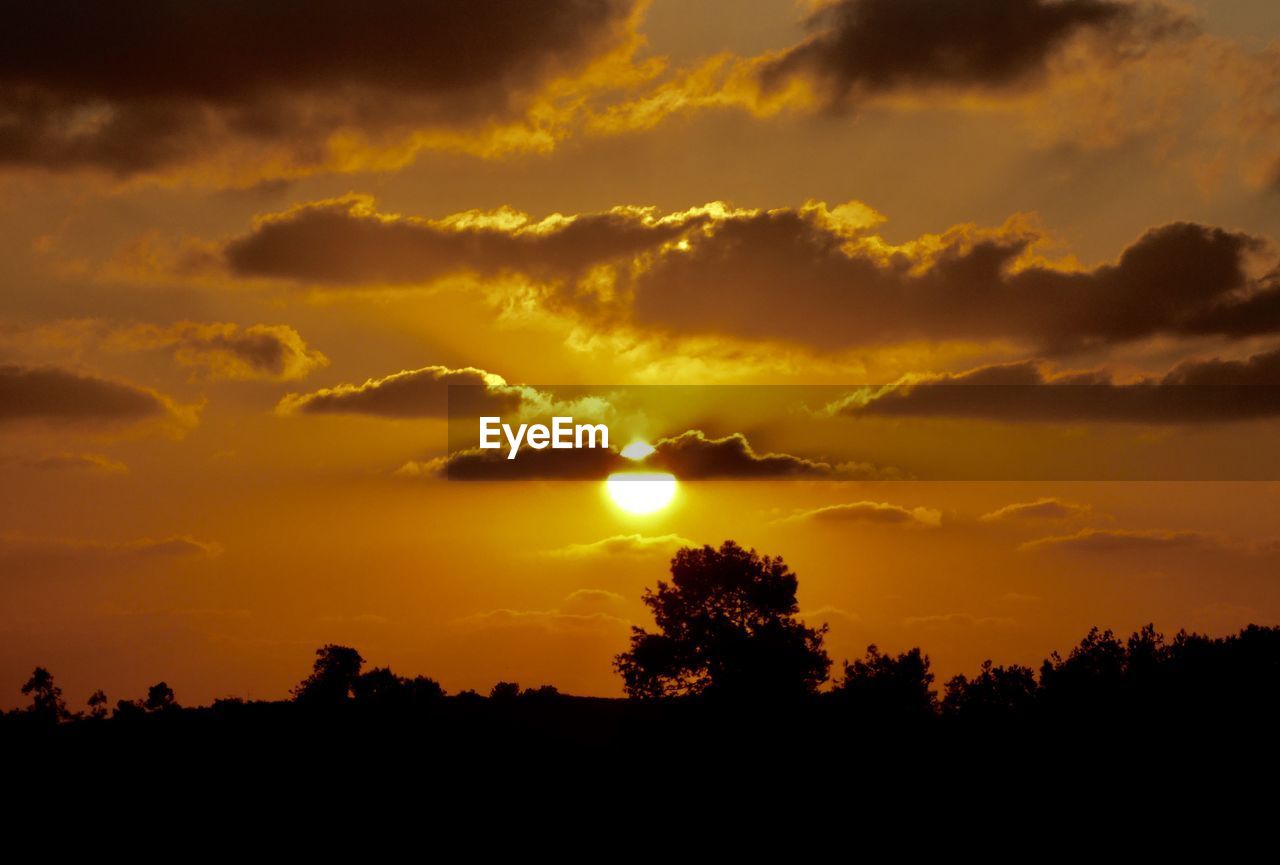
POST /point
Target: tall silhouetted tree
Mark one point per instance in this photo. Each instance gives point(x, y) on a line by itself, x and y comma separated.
point(333, 676)
point(46, 697)
point(889, 687)
point(728, 627)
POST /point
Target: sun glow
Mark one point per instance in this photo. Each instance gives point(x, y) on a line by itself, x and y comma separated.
point(637, 450)
point(641, 492)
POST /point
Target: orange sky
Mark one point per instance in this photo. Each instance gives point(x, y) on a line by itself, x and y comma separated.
point(232, 297)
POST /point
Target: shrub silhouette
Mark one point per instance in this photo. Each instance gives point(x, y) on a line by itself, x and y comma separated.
point(728, 628)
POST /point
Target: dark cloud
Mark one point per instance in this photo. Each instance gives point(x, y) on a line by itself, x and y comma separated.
point(346, 241)
point(1182, 279)
point(52, 394)
point(135, 85)
point(859, 47)
point(1209, 391)
point(689, 456)
point(417, 393)
point(492, 465)
point(693, 456)
point(801, 275)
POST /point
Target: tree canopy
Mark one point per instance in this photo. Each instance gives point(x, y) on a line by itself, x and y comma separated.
point(727, 627)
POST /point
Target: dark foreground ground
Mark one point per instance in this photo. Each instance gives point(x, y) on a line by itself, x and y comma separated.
point(580, 774)
point(1153, 737)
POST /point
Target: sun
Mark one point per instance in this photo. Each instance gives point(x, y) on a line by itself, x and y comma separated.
point(641, 492)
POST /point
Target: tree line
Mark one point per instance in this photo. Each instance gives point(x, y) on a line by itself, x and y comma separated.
point(728, 633)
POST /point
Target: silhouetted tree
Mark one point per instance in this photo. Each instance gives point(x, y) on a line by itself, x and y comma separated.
point(379, 685)
point(504, 691)
point(424, 689)
point(996, 693)
point(160, 698)
point(97, 703)
point(543, 692)
point(1091, 677)
point(383, 688)
point(728, 628)
point(128, 709)
point(46, 697)
point(886, 687)
point(333, 676)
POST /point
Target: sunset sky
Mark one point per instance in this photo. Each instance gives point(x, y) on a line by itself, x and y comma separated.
point(247, 249)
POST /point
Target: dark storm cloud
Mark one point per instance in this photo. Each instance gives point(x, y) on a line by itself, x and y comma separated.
point(345, 241)
point(128, 86)
point(1210, 391)
point(52, 394)
point(417, 393)
point(866, 46)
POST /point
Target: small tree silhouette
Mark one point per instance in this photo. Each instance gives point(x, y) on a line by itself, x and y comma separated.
point(1090, 677)
point(46, 697)
point(333, 677)
point(97, 703)
point(160, 698)
point(504, 692)
point(889, 687)
point(383, 688)
point(728, 628)
point(996, 693)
